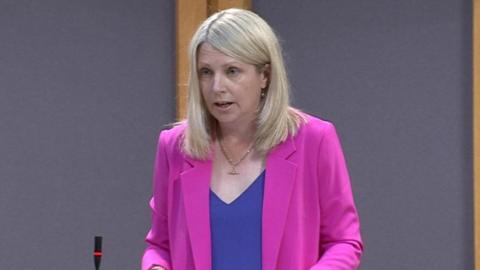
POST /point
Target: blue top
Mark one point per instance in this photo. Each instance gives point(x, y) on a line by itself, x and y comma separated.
point(236, 229)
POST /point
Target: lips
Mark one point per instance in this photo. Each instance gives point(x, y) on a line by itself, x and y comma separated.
point(223, 104)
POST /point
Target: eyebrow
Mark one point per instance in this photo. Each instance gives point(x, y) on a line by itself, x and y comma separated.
point(233, 62)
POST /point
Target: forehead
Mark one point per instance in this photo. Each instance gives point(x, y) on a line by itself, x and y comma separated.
point(209, 55)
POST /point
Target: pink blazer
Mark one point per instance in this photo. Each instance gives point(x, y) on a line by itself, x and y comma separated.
point(309, 218)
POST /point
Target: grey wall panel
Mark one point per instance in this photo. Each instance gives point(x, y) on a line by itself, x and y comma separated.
point(395, 78)
point(85, 86)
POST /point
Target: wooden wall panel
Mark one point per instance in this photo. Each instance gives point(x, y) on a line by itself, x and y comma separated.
point(217, 5)
point(189, 15)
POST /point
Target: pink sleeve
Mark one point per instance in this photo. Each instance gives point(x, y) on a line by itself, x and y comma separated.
point(158, 251)
point(340, 241)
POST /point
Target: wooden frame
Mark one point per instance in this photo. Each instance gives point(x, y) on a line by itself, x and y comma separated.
point(476, 129)
point(189, 15)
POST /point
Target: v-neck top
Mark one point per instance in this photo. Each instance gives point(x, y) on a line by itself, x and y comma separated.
point(236, 229)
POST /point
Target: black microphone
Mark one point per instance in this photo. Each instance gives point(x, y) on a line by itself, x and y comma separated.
point(97, 252)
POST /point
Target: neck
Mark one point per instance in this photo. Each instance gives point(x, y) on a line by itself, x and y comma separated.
point(232, 134)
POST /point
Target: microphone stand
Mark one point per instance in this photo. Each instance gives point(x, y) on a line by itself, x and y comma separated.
point(97, 252)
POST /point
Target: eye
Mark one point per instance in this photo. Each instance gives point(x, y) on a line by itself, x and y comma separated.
point(233, 71)
point(204, 72)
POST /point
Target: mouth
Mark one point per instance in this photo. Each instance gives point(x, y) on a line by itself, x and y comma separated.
point(222, 104)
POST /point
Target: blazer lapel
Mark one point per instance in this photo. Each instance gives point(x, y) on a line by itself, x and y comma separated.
point(279, 183)
point(195, 183)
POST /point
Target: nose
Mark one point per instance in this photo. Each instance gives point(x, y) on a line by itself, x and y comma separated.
point(218, 83)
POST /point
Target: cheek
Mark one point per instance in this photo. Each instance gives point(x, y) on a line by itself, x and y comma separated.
point(253, 98)
point(203, 90)
point(204, 98)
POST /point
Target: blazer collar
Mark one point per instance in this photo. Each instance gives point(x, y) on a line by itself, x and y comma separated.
point(279, 182)
point(195, 184)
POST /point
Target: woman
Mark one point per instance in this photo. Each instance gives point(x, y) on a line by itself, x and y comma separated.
point(248, 182)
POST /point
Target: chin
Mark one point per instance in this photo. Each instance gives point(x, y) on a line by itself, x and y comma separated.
point(225, 120)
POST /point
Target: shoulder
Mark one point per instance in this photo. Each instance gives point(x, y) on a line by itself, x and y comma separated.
point(315, 128)
point(171, 138)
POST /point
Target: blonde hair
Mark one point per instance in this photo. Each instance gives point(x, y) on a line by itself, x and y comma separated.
point(245, 36)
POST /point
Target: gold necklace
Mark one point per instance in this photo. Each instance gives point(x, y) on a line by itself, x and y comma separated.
point(230, 161)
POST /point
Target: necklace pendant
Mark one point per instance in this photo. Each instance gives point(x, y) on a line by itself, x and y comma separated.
point(233, 172)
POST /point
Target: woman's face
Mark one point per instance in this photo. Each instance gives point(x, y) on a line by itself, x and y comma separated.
point(230, 88)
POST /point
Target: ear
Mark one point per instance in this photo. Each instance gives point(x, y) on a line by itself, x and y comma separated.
point(265, 76)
